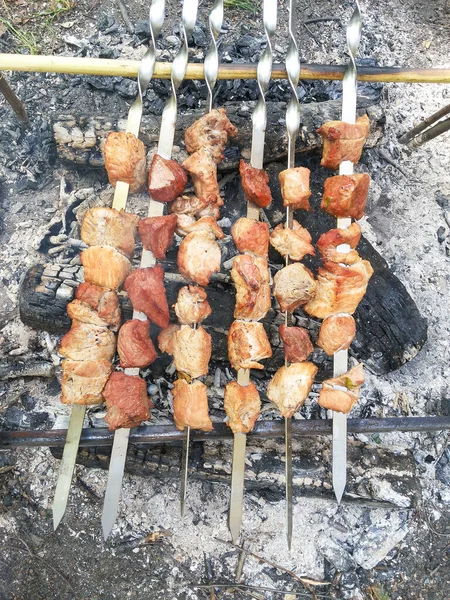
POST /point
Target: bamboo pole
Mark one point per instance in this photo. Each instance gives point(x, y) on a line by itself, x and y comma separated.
point(129, 68)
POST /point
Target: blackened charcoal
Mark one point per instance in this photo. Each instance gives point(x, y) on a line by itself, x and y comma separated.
point(104, 84)
point(105, 21)
point(200, 38)
point(142, 29)
point(127, 88)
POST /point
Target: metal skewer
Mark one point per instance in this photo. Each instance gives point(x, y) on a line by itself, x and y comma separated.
point(340, 359)
point(259, 119)
point(211, 66)
point(292, 127)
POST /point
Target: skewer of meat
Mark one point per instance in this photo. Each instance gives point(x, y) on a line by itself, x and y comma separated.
point(106, 265)
point(247, 339)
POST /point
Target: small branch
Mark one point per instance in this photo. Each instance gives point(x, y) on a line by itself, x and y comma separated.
point(14, 101)
point(407, 137)
point(390, 161)
point(430, 134)
point(322, 20)
point(125, 17)
point(311, 33)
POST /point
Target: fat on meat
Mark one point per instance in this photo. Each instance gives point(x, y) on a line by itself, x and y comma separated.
point(157, 234)
point(83, 381)
point(199, 256)
point(190, 405)
point(134, 346)
point(294, 286)
point(145, 288)
point(105, 266)
point(251, 236)
point(328, 245)
point(290, 386)
point(343, 141)
point(88, 342)
point(125, 160)
point(104, 226)
point(251, 278)
point(247, 344)
point(242, 405)
point(127, 402)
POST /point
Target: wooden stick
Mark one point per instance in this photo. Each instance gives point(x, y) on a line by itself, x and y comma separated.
point(13, 100)
point(129, 68)
point(407, 137)
point(430, 134)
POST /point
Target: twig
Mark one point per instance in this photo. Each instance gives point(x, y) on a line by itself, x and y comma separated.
point(430, 134)
point(14, 101)
point(311, 33)
point(243, 586)
point(407, 137)
point(385, 156)
point(125, 17)
point(322, 20)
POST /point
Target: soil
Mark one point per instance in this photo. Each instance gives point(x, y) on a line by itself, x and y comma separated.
point(154, 554)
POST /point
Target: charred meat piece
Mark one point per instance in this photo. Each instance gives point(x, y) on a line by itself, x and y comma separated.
point(199, 256)
point(104, 302)
point(346, 195)
point(127, 402)
point(339, 289)
point(190, 405)
point(83, 381)
point(108, 227)
point(125, 160)
point(343, 141)
point(157, 233)
point(187, 224)
point(342, 393)
point(147, 293)
point(166, 338)
point(88, 342)
point(336, 333)
point(294, 286)
point(134, 346)
point(247, 344)
point(294, 243)
point(105, 266)
point(242, 405)
point(255, 183)
point(290, 387)
point(210, 131)
point(192, 305)
point(295, 187)
point(203, 171)
point(296, 343)
point(188, 205)
point(251, 236)
point(166, 179)
point(191, 350)
point(329, 241)
point(251, 277)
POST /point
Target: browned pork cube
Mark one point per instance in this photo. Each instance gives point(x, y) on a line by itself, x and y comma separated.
point(203, 171)
point(210, 131)
point(188, 224)
point(108, 227)
point(255, 183)
point(134, 346)
point(125, 160)
point(251, 236)
point(336, 333)
point(295, 187)
point(191, 348)
point(88, 342)
point(290, 387)
point(105, 266)
point(157, 234)
point(251, 278)
point(296, 343)
point(247, 344)
point(343, 141)
point(147, 293)
point(190, 405)
point(342, 393)
point(295, 242)
point(329, 242)
point(242, 405)
point(192, 306)
point(83, 381)
point(199, 256)
point(294, 286)
point(127, 402)
point(104, 303)
point(346, 195)
point(166, 179)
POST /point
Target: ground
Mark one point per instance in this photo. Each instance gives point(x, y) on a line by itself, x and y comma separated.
point(370, 551)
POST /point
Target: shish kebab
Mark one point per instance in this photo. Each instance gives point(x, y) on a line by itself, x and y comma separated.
point(247, 339)
point(67, 466)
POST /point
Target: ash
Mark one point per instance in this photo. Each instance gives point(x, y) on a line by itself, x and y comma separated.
point(390, 537)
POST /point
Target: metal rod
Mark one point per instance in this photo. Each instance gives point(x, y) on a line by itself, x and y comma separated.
point(211, 64)
point(129, 68)
point(168, 434)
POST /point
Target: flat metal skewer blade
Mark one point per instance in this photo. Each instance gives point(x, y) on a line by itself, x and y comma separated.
point(67, 465)
point(114, 484)
point(184, 470)
point(339, 454)
point(237, 485)
point(288, 467)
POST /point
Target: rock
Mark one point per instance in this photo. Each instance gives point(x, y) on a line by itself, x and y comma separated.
point(335, 553)
point(379, 539)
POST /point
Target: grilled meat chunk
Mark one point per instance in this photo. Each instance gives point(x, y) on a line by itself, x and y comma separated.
point(88, 342)
point(105, 266)
point(187, 224)
point(134, 346)
point(127, 402)
point(251, 236)
point(251, 277)
point(290, 387)
point(343, 141)
point(342, 393)
point(166, 179)
point(339, 289)
point(166, 338)
point(255, 183)
point(157, 233)
point(147, 293)
point(199, 256)
point(192, 305)
point(191, 350)
point(190, 405)
point(83, 381)
point(296, 343)
point(125, 160)
point(247, 344)
point(189, 205)
point(242, 405)
point(336, 333)
point(105, 303)
point(295, 187)
point(108, 227)
point(210, 131)
point(346, 195)
point(329, 242)
point(203, 171)
point(294, 286)
point(294, 243)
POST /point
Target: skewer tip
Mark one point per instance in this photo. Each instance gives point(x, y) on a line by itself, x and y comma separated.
point(58, 514)
point(107, 526)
